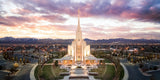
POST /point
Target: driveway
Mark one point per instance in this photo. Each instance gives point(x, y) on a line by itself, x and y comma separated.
point(134, 73)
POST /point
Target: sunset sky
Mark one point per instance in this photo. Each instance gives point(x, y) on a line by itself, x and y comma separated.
point(100, 19)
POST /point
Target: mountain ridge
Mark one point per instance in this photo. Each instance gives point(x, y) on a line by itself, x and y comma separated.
point(68, 41)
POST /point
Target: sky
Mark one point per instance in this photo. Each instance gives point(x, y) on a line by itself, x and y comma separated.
point(99, 19)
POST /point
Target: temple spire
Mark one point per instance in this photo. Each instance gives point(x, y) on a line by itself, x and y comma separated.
point(79, 32)
point(78, 29)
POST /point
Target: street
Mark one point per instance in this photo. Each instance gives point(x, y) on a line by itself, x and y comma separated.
point(24, 73)
point(134, 73)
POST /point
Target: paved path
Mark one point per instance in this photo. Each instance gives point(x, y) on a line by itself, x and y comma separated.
point(126, 75)
point(32, 76)
point(134, 73)
point(109, 63)
point(79, 74)
point(24, 73)
point(3, 74)
point(48, 64)
point(156, 75)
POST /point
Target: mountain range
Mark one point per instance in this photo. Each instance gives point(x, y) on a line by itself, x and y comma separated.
point(68, 41)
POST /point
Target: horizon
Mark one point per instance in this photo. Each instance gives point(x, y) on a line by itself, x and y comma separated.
point(73, 38)
point(111, 19)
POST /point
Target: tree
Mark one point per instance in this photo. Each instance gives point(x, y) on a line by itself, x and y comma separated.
point(155, 67)
point(141, 65)
point(14, 68)
point(12, 58)
point(28, 61)
point(56, 63)
point(20, 60)
point(1, 67)
point(16, 58)
point(15, 65)
point(24, 61)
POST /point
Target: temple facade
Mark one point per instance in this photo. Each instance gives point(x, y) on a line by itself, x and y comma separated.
point(78, 51)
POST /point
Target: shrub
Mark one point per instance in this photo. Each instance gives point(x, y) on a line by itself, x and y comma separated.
point(56, 63)
point(1, 67)
point(141, 65)
point(155, 68)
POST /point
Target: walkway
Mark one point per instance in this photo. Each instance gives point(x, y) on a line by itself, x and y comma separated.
point(156, 75)
point(134, 73)
point(126, 75)
point(32, 76)
point(109, 63)
point(24, 73)
point(79, 74)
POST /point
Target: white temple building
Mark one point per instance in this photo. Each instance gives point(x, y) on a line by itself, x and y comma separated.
point(79, 51)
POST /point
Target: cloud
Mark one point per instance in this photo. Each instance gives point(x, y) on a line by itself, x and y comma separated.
point(39, 16)
point(22, 20)
point(54, 18)
point(13, 20)
point(143, 10)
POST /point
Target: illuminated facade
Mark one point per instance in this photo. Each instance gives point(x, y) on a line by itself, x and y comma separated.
point(78, 51)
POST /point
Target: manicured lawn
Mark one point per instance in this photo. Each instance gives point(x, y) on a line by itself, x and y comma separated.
point(110, 72)
point(107, 61)
point(50, 61)
point(105, 72)
point(46, 73)
point(122, 73)
point(57, 71)
point(36, 72)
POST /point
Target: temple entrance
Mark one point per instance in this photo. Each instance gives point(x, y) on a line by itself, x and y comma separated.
point(79, 53)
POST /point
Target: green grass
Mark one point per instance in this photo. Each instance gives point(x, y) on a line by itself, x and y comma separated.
point(100, 71)
point(36, 72)
point(110, 72)
point(57, 71)
point(46, 73)
point(107, 61)
point(105, 72)
point(50, 61)
point(121, 73)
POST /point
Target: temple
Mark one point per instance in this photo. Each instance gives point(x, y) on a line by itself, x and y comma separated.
point(79, 51)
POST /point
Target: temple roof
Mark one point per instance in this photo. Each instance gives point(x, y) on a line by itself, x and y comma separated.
point(66, 57)
point(91, 57)
point(69, 57)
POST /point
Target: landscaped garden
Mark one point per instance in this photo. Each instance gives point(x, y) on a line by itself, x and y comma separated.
point(105, 72)
point(108, 71)
point(48, 72)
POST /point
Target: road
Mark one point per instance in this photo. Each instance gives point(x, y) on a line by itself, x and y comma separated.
point(24, 73)
point(134, 73)
point(156, 75)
